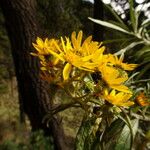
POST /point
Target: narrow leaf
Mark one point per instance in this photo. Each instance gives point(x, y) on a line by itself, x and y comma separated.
point(110, 25)
point(117, 40)
point(141, 53)
point(145, 69)
point(132, 45)
point(116, 16)
point(133, 18)
point(119, 25)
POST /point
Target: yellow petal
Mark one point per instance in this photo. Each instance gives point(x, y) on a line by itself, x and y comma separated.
point(105, 92)
point(67, 71)
point(39, 41)
point(87, 41)
point(122, 88)
point(113, 93)
point(129, 67)
point(33, 54)
point(73, 39)
point(37, 47)
point(55, 61)
point(79, 39)
point(127, 104)
point(56, 55)
point(63, 44)
point(57, 46)
point(86, 58)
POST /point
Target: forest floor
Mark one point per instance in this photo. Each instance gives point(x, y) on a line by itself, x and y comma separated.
point(12, 131)
point(10, 127)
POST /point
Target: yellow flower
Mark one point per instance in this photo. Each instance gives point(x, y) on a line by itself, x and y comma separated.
point(44, 47)
point(118, 62)
point(82, 63)
point(113, 78)
point(41, 47)
point(90, 51)
point(86, 56)
point(87, 47)
point(118, 99)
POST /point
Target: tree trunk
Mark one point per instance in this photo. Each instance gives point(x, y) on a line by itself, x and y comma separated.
point(34, 94)
point(98, 14)
point(98, 30)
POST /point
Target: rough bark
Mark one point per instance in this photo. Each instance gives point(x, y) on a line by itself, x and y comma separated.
point(22, 28)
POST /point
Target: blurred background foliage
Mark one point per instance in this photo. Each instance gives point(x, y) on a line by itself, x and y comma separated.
point(61, 17)
point(58, 18)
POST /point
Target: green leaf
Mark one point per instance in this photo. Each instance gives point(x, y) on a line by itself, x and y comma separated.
point(133, 16)
point(146, 59)
point(117, 17)
point(84, 132)
point(110, 25)
point(112, 133)
point(129, 47)
point(92, 142)
point(119, 25)
point(124, 140)
point(145, 69)
point(113, 129)
point(117, 40)
point(142, 53)
point(145, 23)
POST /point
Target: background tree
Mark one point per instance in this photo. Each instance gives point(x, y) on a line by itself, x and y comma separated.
point(22, 27)
point(62, 17)
point(6, 64)
point(98, 14)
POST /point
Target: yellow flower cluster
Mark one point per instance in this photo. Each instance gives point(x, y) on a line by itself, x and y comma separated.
point(71, 54)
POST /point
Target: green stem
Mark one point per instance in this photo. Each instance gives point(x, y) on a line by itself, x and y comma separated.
point(63, 107)
point(140, 81)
